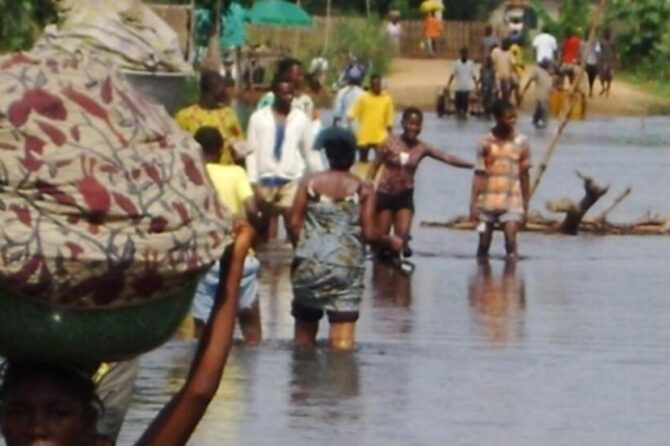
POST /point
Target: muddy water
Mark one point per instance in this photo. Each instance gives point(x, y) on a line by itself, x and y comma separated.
point(568, 346)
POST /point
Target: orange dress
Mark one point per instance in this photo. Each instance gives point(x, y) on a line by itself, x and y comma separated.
point(432, 27)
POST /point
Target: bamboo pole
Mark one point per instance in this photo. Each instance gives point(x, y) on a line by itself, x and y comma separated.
point(572, 100)
point(602, 217)
point(326, 39)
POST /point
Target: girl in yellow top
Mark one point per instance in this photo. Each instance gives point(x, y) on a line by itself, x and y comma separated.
point(211, 111)
point(374, 112)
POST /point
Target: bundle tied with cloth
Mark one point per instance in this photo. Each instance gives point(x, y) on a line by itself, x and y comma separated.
point(107, 215)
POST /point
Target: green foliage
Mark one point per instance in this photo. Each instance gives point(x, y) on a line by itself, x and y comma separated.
point(21, 22)
point(363, 37)
point(406, 8)
point(575, 15)
point(643, 35)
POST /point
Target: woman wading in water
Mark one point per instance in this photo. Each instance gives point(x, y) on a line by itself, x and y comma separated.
point(398, 158)
point(331, 221)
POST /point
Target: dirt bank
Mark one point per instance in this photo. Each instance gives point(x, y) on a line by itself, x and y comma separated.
point(417, 81)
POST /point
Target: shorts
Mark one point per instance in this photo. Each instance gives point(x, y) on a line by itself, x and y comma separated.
point(277, 194)
point(205, 294)
point(395, 202)
point(503, 216)
point(304, 313)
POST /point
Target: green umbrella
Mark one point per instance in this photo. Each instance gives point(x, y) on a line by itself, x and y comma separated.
point(279, 13)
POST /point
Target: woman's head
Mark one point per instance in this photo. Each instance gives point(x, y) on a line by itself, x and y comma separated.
point(48, 403)
point(340, 147)
point(412, 122)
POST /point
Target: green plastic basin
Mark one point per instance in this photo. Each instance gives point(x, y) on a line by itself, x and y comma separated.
point(32, 330)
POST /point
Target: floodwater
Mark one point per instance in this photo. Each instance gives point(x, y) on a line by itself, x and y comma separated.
point(568, 346)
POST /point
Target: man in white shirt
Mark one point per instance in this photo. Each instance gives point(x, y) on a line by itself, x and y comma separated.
point(545, 46)
point(464, 73)
point(281, 141)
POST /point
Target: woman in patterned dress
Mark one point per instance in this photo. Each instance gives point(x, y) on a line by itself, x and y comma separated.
point(331, 221)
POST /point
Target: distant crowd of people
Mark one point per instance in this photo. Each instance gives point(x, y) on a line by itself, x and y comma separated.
point(502, 71)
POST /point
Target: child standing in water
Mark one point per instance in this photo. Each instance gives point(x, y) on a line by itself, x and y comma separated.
point(500, 188)
point(398, 158)
point(331, 221)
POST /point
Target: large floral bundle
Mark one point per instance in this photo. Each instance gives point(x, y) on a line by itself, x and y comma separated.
point(104, 202)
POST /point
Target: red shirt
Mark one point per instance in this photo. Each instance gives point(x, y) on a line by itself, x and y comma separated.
point(571, 47)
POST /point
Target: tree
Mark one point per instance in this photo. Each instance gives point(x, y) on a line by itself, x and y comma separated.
point(574, 15)
point(21, 22)
point(643, 33)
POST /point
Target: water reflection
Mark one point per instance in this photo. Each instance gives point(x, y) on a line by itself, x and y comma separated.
point(390, 286)
point(498, 302)
point(324, 385)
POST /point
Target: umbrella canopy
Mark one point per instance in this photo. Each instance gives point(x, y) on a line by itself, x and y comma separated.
point(279, 13)
point(431, 6)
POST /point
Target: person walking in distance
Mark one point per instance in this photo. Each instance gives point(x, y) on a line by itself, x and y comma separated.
point(464, 74)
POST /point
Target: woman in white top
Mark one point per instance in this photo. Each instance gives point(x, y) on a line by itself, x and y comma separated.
point(394, 31)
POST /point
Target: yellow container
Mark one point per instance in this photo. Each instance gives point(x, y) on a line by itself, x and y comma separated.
point(558, 99)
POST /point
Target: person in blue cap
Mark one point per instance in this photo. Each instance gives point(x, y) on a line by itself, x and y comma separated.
point(346, 97)
point(331, 221)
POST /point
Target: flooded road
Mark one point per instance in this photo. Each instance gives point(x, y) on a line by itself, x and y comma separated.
point(567, 346)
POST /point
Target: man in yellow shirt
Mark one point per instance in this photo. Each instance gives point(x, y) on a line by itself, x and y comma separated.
point(374, 112)
point(212, 111)
point(234, 191)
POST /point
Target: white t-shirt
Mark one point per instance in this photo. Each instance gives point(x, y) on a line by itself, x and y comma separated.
point(463, 74)
point(394, 29)
point(545, 46)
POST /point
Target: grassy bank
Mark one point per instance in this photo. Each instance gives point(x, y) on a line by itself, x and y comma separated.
point(656, 87)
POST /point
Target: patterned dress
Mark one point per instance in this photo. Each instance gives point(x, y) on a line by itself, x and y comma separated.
point(328, 267)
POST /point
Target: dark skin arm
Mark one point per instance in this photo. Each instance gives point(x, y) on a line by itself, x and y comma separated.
point(478, 181)
point(252, 212)
point(448, 158)
point(525, 180)
point(375, 166)
point(178, 419)
point(297, 213)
